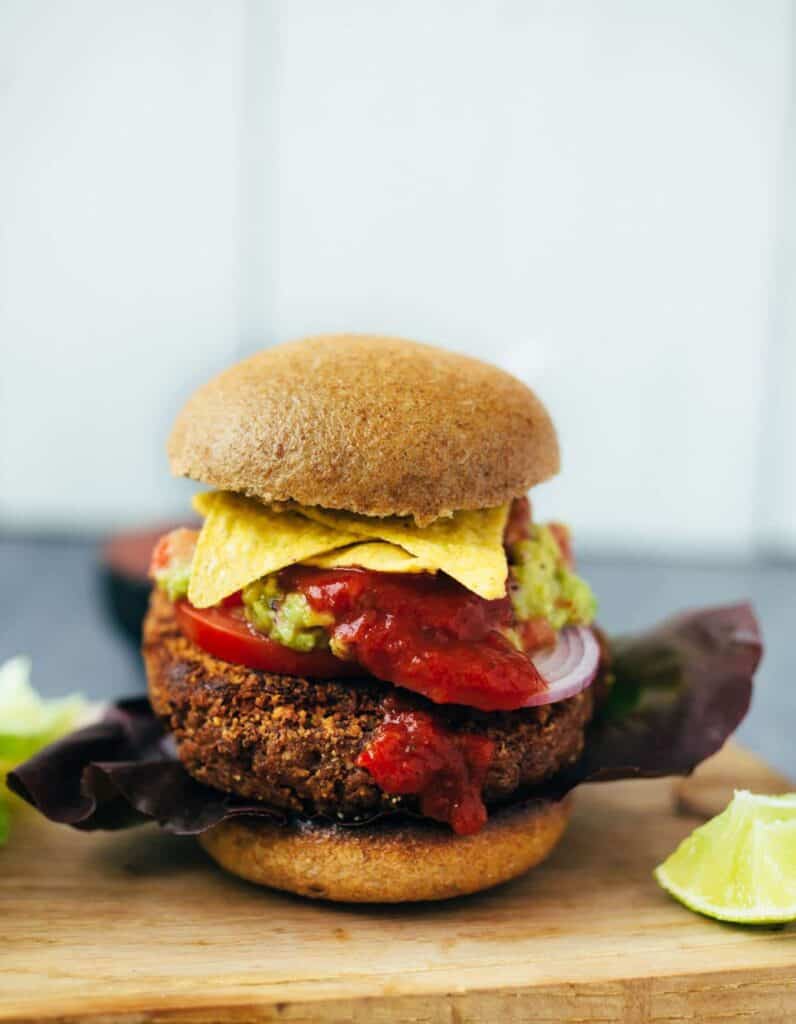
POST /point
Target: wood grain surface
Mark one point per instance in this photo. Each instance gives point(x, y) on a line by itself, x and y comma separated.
point(138, 927)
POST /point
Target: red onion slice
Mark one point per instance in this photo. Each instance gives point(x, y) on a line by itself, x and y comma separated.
point(567, 668)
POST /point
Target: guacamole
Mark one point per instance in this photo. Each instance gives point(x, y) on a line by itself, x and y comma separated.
point(287, 618)
point(174, 579)
point(543, 585)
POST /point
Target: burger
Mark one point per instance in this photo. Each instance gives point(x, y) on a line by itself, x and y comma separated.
point(370, 621)
point(373, 675)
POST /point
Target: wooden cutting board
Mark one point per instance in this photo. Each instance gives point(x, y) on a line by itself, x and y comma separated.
point(137, 926)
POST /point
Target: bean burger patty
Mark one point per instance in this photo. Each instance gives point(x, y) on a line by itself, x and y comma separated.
point(293, 743)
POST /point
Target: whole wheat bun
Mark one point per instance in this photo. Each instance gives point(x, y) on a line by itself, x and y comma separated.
point(378, 426)
point(388, 862)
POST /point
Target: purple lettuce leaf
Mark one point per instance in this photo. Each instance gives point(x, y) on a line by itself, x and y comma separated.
point(679, 691)
point(123, 771)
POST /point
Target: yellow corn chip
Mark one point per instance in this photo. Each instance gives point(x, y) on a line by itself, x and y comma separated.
point(467, 546)
point(375, 555)
point(242, 540)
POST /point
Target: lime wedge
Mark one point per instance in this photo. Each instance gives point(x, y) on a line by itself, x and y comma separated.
point(741, 865)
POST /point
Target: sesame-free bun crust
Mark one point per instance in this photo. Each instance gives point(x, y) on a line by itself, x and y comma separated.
point(389, 861)
point(378, 426)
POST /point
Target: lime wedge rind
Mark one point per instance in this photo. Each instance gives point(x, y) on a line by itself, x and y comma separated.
point(739, 867)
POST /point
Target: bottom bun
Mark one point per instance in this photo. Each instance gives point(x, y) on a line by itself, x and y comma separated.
point(389, 861)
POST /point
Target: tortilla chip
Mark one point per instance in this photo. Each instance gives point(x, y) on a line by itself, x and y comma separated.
point(375, 555)
point(242, 540)
point(467, 545)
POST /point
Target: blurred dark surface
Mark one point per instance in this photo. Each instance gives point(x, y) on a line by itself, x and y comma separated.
point(54, 606)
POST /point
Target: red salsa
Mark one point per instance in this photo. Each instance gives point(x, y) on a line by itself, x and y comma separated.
point(425, 633)
point(412, 754)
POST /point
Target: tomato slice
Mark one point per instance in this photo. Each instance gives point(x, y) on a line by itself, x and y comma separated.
point(224, 632)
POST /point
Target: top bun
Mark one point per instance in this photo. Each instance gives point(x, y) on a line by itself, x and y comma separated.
point(377, 426)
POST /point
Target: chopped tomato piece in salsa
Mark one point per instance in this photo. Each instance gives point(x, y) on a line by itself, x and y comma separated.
point(518, 526)
point(175, 546)
point(536, 634)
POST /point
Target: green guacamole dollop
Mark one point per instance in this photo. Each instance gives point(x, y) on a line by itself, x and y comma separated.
point(289, 619)
point(544, 586)
point(174, 580)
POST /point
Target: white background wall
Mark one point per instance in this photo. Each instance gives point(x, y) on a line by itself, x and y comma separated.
point(597, 195)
